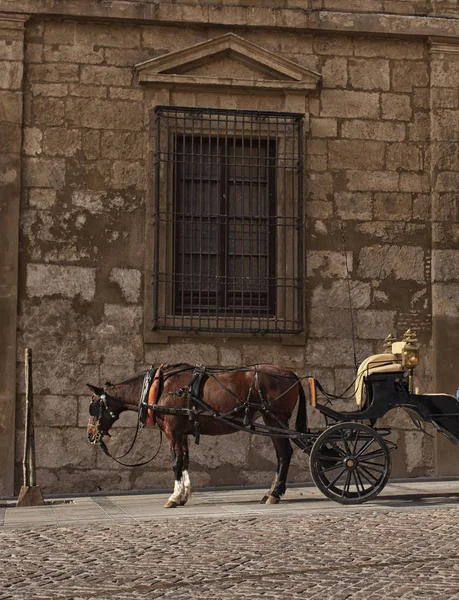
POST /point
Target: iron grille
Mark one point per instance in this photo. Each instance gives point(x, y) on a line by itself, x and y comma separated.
point(228, 221)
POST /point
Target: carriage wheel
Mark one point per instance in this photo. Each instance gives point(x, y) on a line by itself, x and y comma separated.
point(350, 463)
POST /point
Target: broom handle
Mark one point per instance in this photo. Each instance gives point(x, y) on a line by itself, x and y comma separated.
point(25, 459)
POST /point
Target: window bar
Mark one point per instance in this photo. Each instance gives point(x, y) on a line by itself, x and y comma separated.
point(300, 292)
point(233, 220)
point(168, 219)
point(183, 241)
point(251, 217)
point(157, 221)
point(284, 224)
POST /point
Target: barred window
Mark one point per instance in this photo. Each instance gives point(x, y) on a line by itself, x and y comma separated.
point(228, 221)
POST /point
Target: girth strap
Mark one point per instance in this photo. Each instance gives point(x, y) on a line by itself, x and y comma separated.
point(151, 391)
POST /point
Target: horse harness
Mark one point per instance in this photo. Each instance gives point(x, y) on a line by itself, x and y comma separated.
point(153, 386)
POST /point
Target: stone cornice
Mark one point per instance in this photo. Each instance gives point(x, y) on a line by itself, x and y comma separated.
point(240, 16)
point(444, 46)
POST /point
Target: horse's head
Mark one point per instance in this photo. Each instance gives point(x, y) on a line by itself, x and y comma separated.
point(104, 410)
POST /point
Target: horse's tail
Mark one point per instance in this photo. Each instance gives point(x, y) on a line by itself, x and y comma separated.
point(301, 417)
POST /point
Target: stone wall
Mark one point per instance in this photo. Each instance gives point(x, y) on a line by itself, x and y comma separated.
point(381, 146)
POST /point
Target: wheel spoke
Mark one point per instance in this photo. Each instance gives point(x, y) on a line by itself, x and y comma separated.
point(368, 473)
point(356, 440)
point(332, 458)
point(360, 480)
point(365, 446)
point(375, 454)
point(365, 477)
point(372, 466)
point(347, 483)
point(331, 469)
point(356, 484)
point(336, 479)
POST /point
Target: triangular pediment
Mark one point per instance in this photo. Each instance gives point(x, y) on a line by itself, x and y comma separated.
point(227, 60)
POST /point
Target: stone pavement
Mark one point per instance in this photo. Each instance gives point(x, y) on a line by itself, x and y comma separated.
point(225, 545)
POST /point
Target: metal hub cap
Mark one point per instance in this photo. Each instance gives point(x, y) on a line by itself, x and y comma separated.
point(350, 463)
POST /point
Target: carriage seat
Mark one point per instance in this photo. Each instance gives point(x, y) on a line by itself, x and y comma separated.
point(377, 363)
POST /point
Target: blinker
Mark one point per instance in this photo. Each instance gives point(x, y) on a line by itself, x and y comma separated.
point(95, 409)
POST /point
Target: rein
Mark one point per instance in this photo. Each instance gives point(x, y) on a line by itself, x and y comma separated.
point(106, 451)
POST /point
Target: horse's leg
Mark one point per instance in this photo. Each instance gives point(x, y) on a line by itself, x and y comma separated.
point(177, 451)
point(284, 454)
point(186, 489)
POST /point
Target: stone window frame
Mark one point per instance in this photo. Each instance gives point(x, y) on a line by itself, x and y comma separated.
point(165, 76)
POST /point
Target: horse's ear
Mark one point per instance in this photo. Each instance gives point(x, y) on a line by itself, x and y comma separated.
point(96, 390)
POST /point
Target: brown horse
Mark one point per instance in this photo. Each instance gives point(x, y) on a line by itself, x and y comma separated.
point(225, 401)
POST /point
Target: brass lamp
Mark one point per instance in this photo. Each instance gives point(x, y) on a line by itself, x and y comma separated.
point(410, 352)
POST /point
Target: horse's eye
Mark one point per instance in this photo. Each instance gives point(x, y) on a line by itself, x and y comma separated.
point(94, 409)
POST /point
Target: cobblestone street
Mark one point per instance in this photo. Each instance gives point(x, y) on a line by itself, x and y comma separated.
point(401, 548)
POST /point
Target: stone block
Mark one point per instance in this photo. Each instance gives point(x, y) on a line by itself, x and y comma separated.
point(56, 448)
point(377, 181)
point(44, 172)
point(403, 156)
point(335, 353)
point(319, 186)
point(414, 182)
point(387, 261)
point(129, 282)
point(369, 74)
point(374, 130)
point(124, 57)
point(165, 39)
point(319, 209)
point(97, 202)
point(122, 321)
point(216, 452)
point(335, 294)
point(321, 128)
point(127, 174)
point(355, 154)
point(420, 128)
point(421, 98)
point(445, 299)
point(55, 411)
point(230, 357)
point(289, 357)
point(48, 111)
point(444, 98)
point(445, 265)
point(385, 48)
point(59, 32)
point(444, 72)
point(422, 207)
point(193, 353)
point(54, 90)
point(316, 163)
point(393, 206)
point(103, 75)
point(61, 378)
point(33, 53)
point(122, 145)
point(396, 107)
point(354, 206)
point(445, 125)
point(336, 46)
point(375, 324)
point(10, 137)
point(60, 141)
point(87, 91)
point(328, 264)
point(58, 73)
point(42, 198)
point(11, 75)
point(447, 181)
point(445, 156)
point(65, 281)
point(334, 73)
point(73, 54)
point(11, 106)
point(90, 143)
point(405, 75)
point(326, 322)
point(105, 114)
point(133, 95)
point(349, 104)
point(115, 36)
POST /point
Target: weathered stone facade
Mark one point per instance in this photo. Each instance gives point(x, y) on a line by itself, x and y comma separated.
point(77, 179)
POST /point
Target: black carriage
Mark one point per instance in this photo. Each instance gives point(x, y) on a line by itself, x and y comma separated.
point(350, 461)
